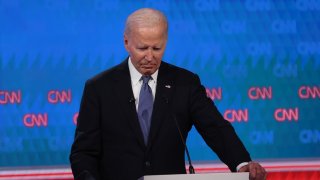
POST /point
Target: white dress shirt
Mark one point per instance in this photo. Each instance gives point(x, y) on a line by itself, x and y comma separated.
point(136, 82)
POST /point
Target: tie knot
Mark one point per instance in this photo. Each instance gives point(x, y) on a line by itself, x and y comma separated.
point(146, 79)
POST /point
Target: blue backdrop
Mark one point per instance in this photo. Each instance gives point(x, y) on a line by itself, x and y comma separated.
point(258, 59)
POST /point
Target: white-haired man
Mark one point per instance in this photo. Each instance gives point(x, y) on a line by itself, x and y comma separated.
point(129, 115)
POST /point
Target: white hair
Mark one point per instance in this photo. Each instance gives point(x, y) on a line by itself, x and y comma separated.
point(146, 17)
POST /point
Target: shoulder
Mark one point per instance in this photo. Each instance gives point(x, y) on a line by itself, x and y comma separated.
point(176, 70)
point(179, 73)
point(110, 74)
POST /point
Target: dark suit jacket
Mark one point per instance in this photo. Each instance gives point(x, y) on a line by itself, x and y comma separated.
point(109, 143)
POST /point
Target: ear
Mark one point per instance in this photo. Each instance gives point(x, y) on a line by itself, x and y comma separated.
point(125, 40)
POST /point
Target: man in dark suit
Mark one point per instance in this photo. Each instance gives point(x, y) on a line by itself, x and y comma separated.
point(129, 115)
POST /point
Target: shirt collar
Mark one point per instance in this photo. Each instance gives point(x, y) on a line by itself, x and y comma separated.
point(136, 75)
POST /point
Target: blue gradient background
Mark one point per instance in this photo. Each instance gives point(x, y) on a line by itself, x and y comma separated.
point(58, 44)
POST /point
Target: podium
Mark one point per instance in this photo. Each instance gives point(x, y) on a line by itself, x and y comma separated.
point(208, 176)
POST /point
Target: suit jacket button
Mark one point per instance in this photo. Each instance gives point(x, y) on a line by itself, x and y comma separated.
point(147, 164)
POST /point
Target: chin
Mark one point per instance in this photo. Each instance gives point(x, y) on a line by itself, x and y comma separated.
point(148, 72)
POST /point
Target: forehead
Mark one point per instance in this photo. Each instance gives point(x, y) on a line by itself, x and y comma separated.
point(142, 34)
point(150, 31)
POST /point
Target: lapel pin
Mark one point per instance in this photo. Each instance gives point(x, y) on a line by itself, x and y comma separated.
point(168, 86)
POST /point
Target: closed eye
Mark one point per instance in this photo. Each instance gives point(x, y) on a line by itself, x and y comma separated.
point(142, 48)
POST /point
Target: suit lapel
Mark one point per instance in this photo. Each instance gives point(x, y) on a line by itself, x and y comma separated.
point(123, 90)
point(161, 106)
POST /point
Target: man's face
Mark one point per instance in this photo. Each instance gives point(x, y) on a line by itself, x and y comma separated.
point(146, 47)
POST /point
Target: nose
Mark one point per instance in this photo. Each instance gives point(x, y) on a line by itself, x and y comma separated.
point(149, 55)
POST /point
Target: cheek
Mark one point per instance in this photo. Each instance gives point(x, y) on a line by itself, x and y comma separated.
point(139, 55)
point(159, 56)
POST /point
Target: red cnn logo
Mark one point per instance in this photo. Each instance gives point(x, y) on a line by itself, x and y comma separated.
point(55, 96)
point(31, 120)
point(11, 97)
point(282, 114)
point(75, 118)
point(260, 93)
point(214, 93)
point(232, 115)
point(307, 92)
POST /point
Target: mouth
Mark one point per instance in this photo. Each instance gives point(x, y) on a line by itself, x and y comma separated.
point(150, 66)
